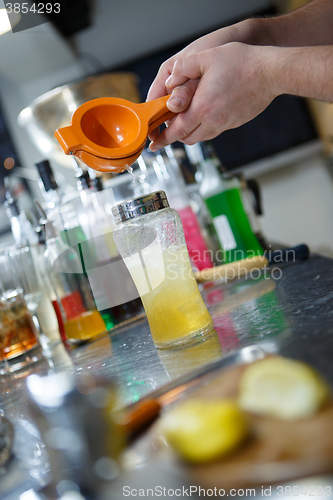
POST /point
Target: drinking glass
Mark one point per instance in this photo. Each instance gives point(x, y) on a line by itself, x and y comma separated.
point(19, 344)
point(24, 267)
point(150, 238)
point(26, 264)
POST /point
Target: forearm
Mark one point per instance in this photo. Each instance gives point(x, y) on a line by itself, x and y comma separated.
point(310, 25)
point(302, 71)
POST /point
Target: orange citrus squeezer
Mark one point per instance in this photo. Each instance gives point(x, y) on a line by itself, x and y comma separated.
point(109, 133)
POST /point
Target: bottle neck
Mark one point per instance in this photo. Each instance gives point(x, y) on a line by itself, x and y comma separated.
point(52, 199)
point(56, 247)
point(48, 186)
point(213, 182)
point(22, 230)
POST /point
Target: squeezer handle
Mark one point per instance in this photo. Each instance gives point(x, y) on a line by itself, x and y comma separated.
point(159, 113)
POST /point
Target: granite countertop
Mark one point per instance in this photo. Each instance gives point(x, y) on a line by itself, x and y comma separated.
point(287, 310)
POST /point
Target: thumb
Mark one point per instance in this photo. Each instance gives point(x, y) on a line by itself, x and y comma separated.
point(181, 96)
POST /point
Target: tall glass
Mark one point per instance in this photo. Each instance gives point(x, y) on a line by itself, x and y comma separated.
point(26, 264)
point(150, 238)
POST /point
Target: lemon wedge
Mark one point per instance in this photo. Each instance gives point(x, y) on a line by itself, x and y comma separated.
point(202, 430)
point(282, 388)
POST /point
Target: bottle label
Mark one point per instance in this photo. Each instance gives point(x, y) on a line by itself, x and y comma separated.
point(224, 232)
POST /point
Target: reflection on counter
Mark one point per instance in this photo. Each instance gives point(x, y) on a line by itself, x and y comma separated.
point(92, 356)
point(223, 323)
point(266, 323)
point(195, 354)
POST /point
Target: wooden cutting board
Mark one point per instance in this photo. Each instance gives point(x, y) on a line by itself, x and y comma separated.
point(277, 451)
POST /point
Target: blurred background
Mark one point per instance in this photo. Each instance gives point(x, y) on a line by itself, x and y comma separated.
point(288, 149)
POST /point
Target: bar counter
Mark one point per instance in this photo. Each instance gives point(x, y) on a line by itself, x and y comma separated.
point(288, 310)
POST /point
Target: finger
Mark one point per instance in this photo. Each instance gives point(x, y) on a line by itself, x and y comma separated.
point(154, 134)
point(184, 68)
point(200, 133)
point(179, 101)
point(181, 127)
point(158, 88)
point(170, 122)
point(210, 127)
point(182, 95)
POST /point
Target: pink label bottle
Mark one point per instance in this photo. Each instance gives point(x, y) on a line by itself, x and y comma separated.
point(198, 250)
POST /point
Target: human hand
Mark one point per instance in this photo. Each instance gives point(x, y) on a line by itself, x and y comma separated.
point(158, 88)
point(225, 87)
point(181, 96)
point(244, 31)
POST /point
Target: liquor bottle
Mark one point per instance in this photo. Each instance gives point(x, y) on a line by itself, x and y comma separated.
point(84, 226)
point(22, 230)
point(27, 241)
point(46, 271)
point(75, 303)
point(53, 197)
point(251, 197)
point(87, 180)
point(51, 192)
point(72, 233)
point(221, 193)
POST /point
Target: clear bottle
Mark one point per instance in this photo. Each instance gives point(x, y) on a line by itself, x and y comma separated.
point(87, 180)
point(86, 224)
point(48, 186)
point(27, 243)
point(150, 239)
point(72, 232)
point(52, 311)
point(223, 199)
point(22, 230)
point(80, 318)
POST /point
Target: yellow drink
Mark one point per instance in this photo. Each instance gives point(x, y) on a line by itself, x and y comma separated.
point(175, 309)
point(85, 326)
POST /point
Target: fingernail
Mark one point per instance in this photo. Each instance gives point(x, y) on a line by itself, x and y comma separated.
point(175, 102)
point(152, 147)
point(168, 81)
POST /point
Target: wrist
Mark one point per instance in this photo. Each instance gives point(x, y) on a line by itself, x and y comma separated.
point(254, 31)
point(270, 66)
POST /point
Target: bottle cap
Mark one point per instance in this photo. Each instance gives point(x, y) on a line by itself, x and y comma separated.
point(46, 174)
point(142, 205)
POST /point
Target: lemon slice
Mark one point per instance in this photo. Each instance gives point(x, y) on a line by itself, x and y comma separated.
point(202, 430)
point(282, 388)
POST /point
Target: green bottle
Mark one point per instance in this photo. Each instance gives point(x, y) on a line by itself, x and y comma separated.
point(223, 199)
